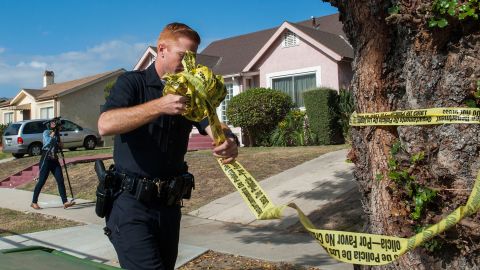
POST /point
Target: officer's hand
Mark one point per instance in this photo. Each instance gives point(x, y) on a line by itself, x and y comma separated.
point(172, 104)
point(228, 150)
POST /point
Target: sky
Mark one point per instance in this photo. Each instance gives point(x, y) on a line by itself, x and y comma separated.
point(76, 39)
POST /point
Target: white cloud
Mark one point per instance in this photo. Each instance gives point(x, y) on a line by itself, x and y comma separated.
point(27, 72)
point(33, 64)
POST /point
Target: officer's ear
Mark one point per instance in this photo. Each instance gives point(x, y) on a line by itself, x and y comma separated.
point(161, 49)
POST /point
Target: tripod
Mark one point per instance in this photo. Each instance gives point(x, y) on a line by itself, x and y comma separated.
point(57, 137)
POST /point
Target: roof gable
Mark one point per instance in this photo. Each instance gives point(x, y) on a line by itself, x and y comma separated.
point(333, 45)
point(34, 93)
point(149, 51)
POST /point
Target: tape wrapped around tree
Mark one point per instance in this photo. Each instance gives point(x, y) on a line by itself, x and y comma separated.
point(206, 91)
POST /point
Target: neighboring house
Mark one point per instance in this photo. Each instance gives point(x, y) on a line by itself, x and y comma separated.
point(77, 100)
point(293, 57)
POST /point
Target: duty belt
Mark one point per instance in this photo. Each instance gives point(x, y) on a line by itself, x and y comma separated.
point(168, 190)
point(130, 183)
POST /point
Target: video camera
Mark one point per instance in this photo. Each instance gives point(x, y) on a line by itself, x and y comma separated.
point(58, 123)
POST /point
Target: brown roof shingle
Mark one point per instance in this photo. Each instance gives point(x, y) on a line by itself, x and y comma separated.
point(329, 24)
point(207, 60)
point(58, 88)
point(334, 42)
point(237, 52)
point(4, 103)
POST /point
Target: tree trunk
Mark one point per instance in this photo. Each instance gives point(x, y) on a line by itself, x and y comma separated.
point(401, 63)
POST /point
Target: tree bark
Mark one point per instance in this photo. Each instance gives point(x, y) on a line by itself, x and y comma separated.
point(401, 63)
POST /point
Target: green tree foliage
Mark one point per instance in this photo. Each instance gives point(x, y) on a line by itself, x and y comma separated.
point(108, 88)
point(461, 10)
point(322, 109)
point(416, 194)
point(258, 111)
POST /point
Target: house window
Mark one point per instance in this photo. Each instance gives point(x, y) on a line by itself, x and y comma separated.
point(289, 39)
point(7, 118)
point(224, 104)
point(295, 85)
point(46, 113)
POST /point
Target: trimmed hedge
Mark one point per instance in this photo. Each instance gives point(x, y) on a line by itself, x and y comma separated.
point(322, 109)
point(258, 111)
point(346, 106)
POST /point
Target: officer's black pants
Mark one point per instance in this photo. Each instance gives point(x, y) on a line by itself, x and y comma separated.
point(145, 236)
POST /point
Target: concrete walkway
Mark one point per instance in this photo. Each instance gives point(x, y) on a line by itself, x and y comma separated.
point(224, 225)
point(6, 159)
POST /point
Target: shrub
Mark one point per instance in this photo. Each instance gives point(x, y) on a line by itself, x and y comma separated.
point(258, 111)
point(322, 109)
point(346, 107)
point(292, 131)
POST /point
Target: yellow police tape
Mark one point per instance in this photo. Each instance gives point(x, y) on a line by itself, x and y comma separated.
point(362, 248)
point(433, 116)
point(349, 247)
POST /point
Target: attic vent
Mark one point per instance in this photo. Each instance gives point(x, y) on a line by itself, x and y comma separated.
point(289, 39)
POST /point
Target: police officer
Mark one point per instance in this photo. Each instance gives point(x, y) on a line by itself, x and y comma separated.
point(150, 144)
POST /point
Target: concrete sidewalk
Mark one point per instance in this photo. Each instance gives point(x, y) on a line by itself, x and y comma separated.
point(225, 225)
point(310, 185)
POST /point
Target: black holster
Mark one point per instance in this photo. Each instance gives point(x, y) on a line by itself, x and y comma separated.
point(106, 189)
point(178, 188)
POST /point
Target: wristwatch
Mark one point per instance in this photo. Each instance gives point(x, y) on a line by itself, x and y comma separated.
point(230, 134)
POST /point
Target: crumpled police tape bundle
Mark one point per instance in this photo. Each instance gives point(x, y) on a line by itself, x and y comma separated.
point(204, 90)
point(350, 247)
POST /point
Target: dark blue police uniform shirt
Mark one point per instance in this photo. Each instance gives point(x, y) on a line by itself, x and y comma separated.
point(155, 149)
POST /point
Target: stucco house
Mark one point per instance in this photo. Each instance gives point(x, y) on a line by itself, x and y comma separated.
point(293, 57)
point(77, 100)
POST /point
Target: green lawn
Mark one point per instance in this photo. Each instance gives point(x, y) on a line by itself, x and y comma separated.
point(17, 222)
point(18, 164)
point(5, 155)
point(68, 153)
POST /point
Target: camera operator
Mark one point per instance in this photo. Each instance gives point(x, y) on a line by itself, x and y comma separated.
point(49, 163)
point(150, 145)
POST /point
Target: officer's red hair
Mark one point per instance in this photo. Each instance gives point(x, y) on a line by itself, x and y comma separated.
point(173, 31)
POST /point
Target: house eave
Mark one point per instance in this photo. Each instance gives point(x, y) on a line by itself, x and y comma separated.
point(148, 51)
